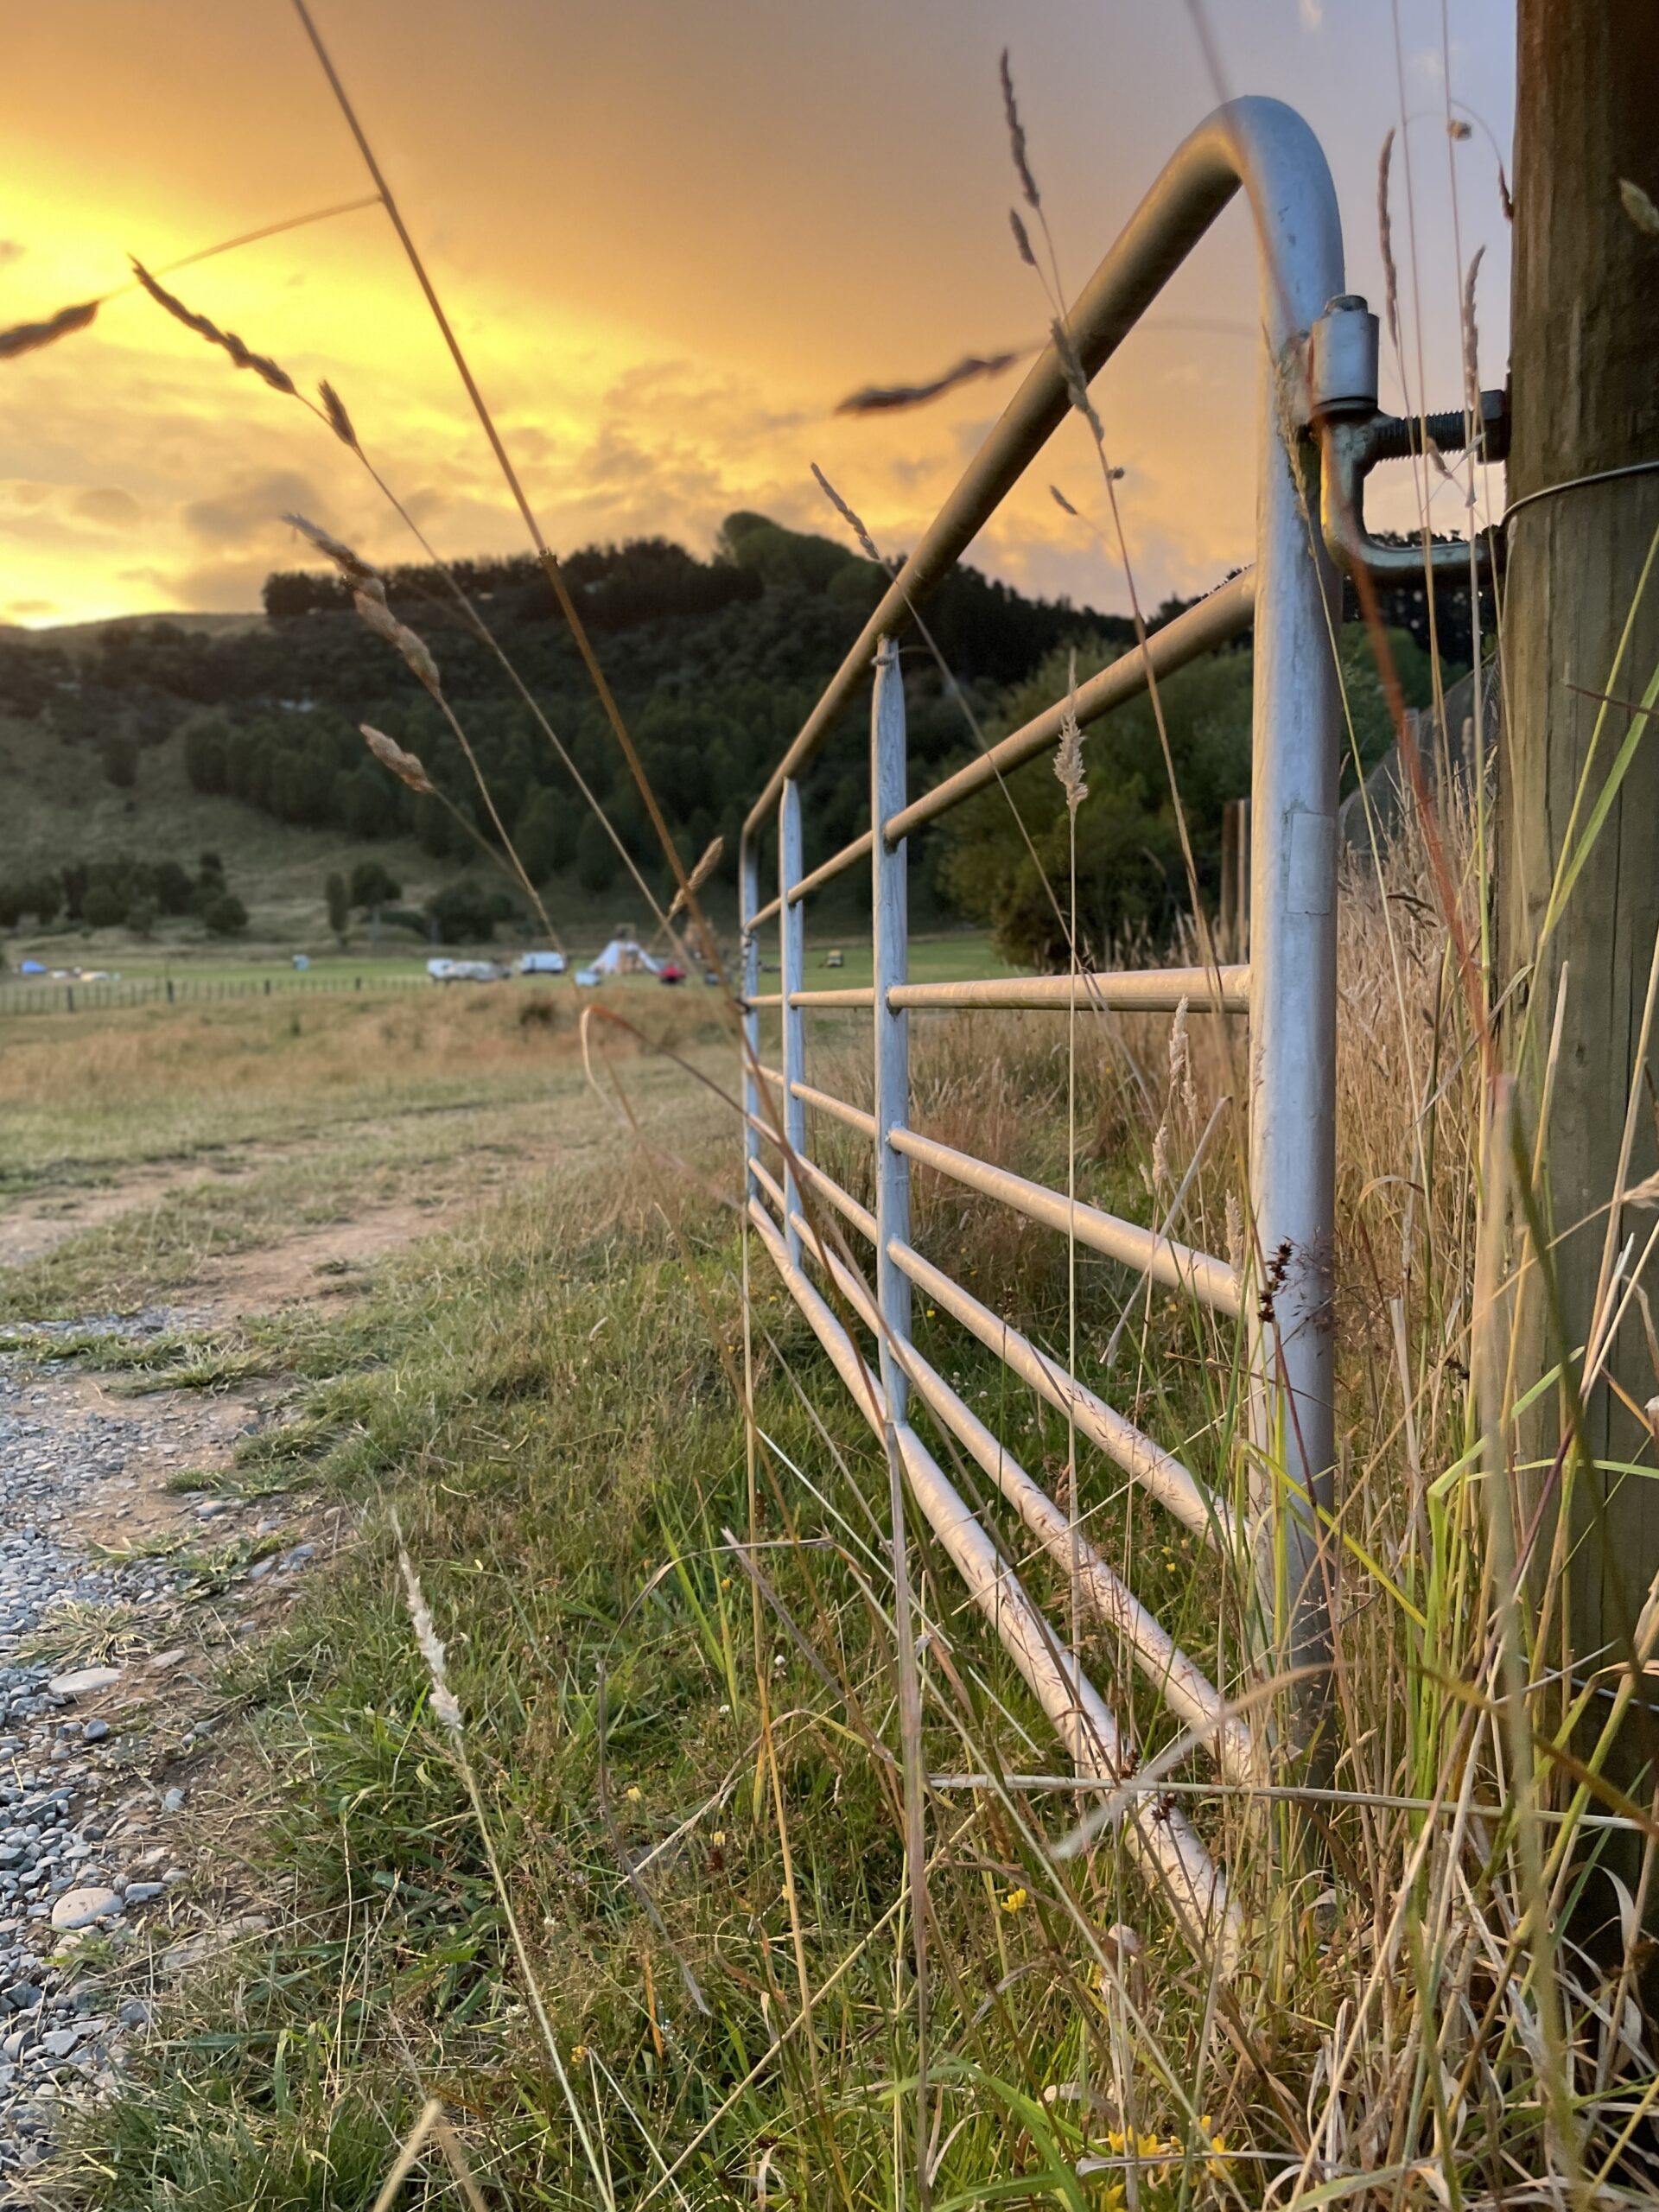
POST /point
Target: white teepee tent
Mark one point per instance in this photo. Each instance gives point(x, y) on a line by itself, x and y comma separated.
point(623, 956)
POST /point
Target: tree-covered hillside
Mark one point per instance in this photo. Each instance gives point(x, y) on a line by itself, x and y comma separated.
point(715, 664)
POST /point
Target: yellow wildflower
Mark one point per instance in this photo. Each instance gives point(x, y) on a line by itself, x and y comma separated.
point(578, 2054)
point(1015, 1900)
point(632, 1793)
point(1218, 2165)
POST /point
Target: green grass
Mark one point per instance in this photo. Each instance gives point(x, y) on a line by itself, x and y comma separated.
point(536, 1394)
point(82, 1103)
point(958, 958)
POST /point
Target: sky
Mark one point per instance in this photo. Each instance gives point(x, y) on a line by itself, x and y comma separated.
point(671, 236)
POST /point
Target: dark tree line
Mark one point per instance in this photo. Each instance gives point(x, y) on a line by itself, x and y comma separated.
point(715, 662)
point(123, 892)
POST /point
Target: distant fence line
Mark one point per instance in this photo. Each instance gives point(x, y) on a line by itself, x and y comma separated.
point(67, 996)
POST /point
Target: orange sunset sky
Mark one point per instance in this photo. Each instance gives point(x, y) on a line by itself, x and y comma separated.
point(672, 233)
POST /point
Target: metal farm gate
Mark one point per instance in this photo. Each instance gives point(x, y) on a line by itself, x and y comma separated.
point(1317, 400)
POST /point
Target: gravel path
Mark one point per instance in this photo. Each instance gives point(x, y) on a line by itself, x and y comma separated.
point(107, 1711)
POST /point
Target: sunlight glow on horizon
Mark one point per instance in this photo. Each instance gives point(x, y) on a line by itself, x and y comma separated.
point(668, 256)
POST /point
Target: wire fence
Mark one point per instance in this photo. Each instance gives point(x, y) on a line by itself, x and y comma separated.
point(71, 995)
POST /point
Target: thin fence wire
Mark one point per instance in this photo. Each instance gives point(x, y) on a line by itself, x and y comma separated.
point(119, 994)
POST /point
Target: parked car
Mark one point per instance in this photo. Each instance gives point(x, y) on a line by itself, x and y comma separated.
point(467, 971)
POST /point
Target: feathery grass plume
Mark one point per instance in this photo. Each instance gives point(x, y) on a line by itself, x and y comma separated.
point(847, 516)
point(699, 875)
point(1385, 240)
point(889, 399)
point(1017, 134)
point(446, 1707)
point(243, 356)
point(445, 1703)
point(368, 588)
point(1021, 238)
point(339, 421)
point(1235, 1234)
point(1640, 209)
point(1068, 755)
point(369, 599)
point(376, 615)
point(1076, 385)
point(27, 337)
point(353, 566)
point(404, 765)
point(1180, 1061)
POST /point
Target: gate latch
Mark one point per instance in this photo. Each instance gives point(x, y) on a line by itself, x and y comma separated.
point(1354, 436)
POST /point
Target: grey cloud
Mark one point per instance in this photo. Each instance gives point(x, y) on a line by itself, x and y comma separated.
point(248, 512)
point(108, 504)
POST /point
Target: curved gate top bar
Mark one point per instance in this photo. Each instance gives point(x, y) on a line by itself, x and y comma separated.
point(1283, 1292)
point(1258, 144)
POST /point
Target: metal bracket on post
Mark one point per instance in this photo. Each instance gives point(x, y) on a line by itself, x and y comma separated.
point(889, 872)
point(1353, 437)
point(792, 938)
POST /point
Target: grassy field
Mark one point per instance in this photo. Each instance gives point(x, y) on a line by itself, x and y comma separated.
point(680, 1768)
point(623, 1884)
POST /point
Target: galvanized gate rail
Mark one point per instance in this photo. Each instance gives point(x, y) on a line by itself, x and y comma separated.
point(1288, 991)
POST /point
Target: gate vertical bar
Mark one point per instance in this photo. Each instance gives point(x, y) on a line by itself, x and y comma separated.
point(792, 961)
point(748, 899)
point(890, 903)
point(1293, 1009)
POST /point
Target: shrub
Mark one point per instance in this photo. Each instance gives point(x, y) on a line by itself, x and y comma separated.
point(120, 762)
point(224, 915)
point(463, 914)
point(103, 907)
point(374, 885)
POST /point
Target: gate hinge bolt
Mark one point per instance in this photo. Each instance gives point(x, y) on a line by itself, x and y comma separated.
point(1342, 367)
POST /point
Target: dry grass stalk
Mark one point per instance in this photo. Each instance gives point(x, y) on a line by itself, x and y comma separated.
point(339, 421)
point(404, 765)
point(699, 876)
point(1017, 134)
point(847, 515)
point(28, 337)
point(376, 615)
point(1385, 240)
point(1472, 340)
point(243, 356)
point(356, 572)
point(368, 590)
